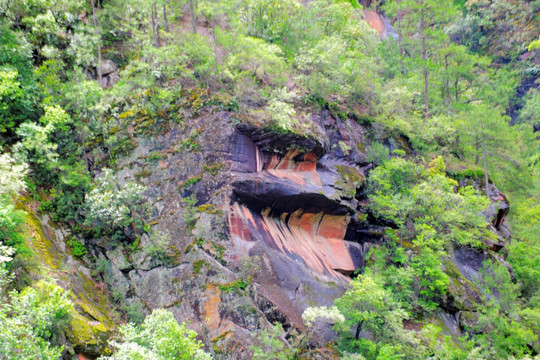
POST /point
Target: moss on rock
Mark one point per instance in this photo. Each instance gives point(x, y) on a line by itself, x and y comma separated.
point(351, 179)
point(462, 294)
point(91, 319)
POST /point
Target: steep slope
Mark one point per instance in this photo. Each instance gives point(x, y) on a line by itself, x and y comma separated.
point(277, 223)
point(93, 321)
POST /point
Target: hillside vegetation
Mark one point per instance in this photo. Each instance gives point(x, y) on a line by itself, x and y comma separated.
point(449, 93)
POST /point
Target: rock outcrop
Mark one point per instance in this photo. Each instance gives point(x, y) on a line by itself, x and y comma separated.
point(259, 224)
point(91, 323)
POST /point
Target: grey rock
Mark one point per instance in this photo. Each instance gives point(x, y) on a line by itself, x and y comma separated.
point(107, 67)
point(117, 280)
point(157, 287)
point(117, 257)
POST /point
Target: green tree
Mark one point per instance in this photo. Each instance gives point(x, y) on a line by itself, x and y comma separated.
point(12, 175)
point(423, 28)
point(500, 28)
point(271, 345)
point(494, 144)
point(333, 70)
point(11, 97)
point(111, 207)
point(432, 280)
point(31, 321)
point(431, 215)
point(462, 74)
point(501, 333)
point(159, 337)
point(524, 254)
point(376, 320)
point(37, 146)
point(255, 58)
point(363, 305)
point(268, 19)
point(12, 181)
point(18, 91)
point(529, 112)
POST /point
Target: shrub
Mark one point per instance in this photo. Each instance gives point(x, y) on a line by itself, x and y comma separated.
point(160, 247)
point(270, 345)
point(281, 110)
point(378, 154)
point(32, 321)
point(159, 337)
point(253, 58)
point(111, 207)
point(239, 284)
point(77, 247)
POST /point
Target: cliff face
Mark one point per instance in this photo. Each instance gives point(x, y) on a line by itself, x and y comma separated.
point(92, 319)
point(253, 225)
point(250, 225)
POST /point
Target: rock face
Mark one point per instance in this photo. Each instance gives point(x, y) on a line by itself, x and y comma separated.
point(292, 203)
point(380, 23)
point(109, 72)
point(107, 67)
point(273, 230)
point(256, 224)
point(91, 322)
point(293, 198)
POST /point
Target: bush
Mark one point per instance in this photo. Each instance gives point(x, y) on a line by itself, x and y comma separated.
point(160, 248)
point(378, 154)
point(77, 247)
point(281, 110)
point(111, 208)
point(239, 284)
point(253, 58)
point(32, 321)
point(269, 20)
point(430, 216)
point(11, 220)
point(270, 345)
point(159, 337)
point(67, 197)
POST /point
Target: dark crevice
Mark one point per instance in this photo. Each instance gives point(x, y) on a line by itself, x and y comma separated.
point(272, 313)
point(348, 273)
point(279, 142)
point(259, 196)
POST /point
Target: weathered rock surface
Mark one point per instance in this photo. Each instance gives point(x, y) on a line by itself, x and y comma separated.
point(91, 323)
point(107, 66)
point(277, 224)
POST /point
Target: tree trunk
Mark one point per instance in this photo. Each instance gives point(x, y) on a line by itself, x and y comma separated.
point(165, 20)
point(458, 152)
point(424, 58)
point(400, 43)
point(100, 76)
point(193, 19)
point(486, 179)
point(83, 142)
point(358, 328)
point(447, 82)
point(155, 26)
point(215, 42)
point(477, 145)
point(400, 47)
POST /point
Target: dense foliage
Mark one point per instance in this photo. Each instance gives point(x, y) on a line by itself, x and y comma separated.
point(31, 321)
point(159, 337)
point(457, 83)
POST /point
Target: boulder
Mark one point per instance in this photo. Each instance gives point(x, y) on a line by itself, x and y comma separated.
point(107, 67)
point(468, 321)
